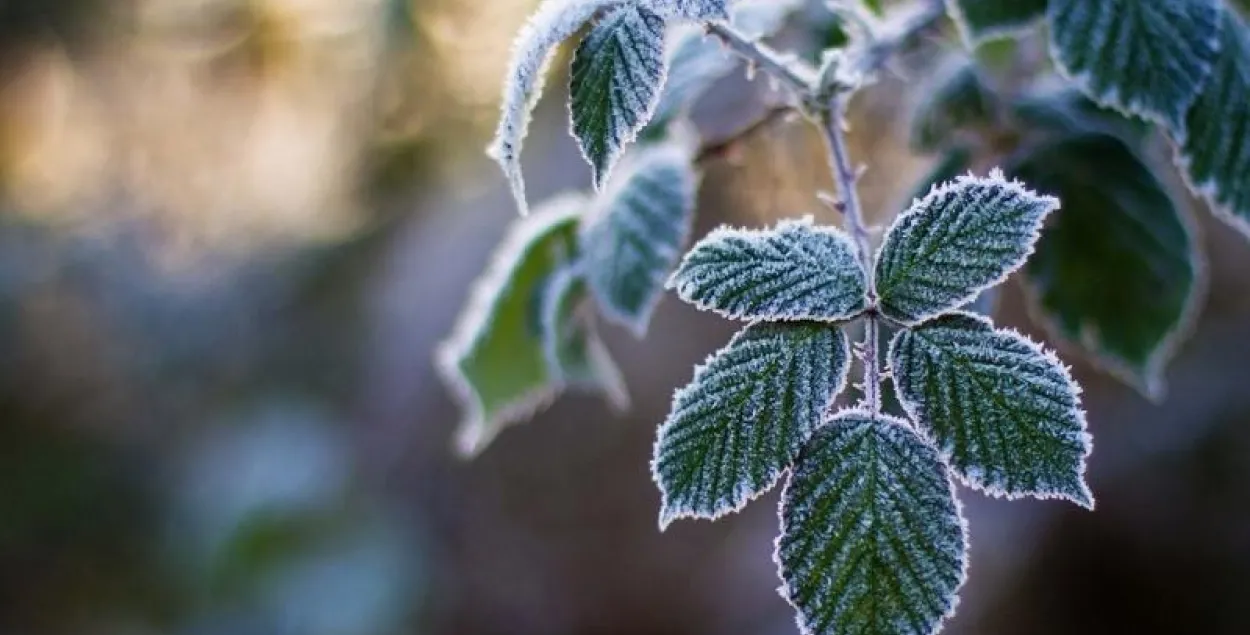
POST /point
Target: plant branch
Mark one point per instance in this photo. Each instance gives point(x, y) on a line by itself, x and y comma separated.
point(791, 71)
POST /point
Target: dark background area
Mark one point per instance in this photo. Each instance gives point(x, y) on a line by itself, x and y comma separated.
point(233, 232)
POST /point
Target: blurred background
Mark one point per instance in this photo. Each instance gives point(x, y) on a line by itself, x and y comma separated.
point(233, 232)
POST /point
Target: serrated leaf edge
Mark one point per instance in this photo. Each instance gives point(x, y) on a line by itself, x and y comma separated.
point(995, 492)
point(673, 284)
point(804, 628)
point(996, 176)
point(668, 513)
point(1112, 99)
point(472, 323)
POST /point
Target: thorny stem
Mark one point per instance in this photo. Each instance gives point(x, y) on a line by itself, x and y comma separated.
point(861, 62)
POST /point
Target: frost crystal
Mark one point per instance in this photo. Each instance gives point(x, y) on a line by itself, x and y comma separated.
point(964, 237)
point(1216, 149)
point(872, 540)
point(742, 419)
point(617, 75)
point(1004, 413)
point(635, 236)
point(797, 271)
point(1148, 58)
point(688, 9)
point(554, 22)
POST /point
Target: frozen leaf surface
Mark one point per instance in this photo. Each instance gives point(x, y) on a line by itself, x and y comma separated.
point(554, 22)
point(981, 20)
point(688, 9)
point(872, 540)
point(496, 359)
point(615, 83)
point(1146, 58)
point(1118, 271)
point(964, 237)
point(797, 271)
point(743, 418)
point(1005, 414)
point(635, 237)
point(575, 354)
point(1215, 152)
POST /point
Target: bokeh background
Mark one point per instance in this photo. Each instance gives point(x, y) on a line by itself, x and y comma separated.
point(232, 233)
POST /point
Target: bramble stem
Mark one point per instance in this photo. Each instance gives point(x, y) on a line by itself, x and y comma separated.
point(859, 63)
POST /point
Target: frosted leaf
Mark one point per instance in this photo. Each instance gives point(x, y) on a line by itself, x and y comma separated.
point(1119, 269)
point(575, 354)
point(957, 99)
point(495, 358)
point(965, 236)
point(742, 419)
point(1004, 413)
point(954, 161)
point(1215, 151)
point(1147, 58)
point(797, 271)
point(1067, 111)
point(688, 9)
point(982, 20)
point(872, 540)
point(615, 84)
point(696, 61)
point(634, 239)
point(555, 21)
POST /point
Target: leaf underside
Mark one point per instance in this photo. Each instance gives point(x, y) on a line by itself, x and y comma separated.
point(963, 237)
point(1118, 270)
point(635, 238)
point(615, 83)
point(981, 20)
point(496, 359)
point(797, 271)
point(745, 415)
point(1146, 58)
point(1215, 152)
point(1005, 415)
point(872, 540)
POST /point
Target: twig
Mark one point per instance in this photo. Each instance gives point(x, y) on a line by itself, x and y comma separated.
point(796, 74)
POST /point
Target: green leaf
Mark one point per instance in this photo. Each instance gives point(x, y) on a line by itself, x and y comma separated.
point(1067, 111)
point(797, 271)
point(554, 22)
point(1005, 414)
point(1215, 151)
point(575, 354)
point(635, 236)
point(615, 84)
point(743, 418)
point(981, 20)
point(964, 237)
point(495, 359)
point(1147, 58)
point(1118, 270)
point(872, 540)
point(957, 99)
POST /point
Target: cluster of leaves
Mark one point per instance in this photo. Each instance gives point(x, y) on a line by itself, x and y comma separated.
point(1120, 271)
point(871, 538)
point(528, 331)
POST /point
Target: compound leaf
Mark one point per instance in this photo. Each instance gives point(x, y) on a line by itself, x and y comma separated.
point(1215, 152)
point(635, 236)
point(1147, 58)
point(957, 99)
point(555, 21)
point(615, 84)
point(964, 237)
point(981, 20)
point(1118, 270)
point(797, 271)
point(496, 359)
point(1004, 413)
point(744, 417)
point(872, 540)
point(575, 354)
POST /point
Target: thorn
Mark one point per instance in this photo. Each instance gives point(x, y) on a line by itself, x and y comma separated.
point(832, 202)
